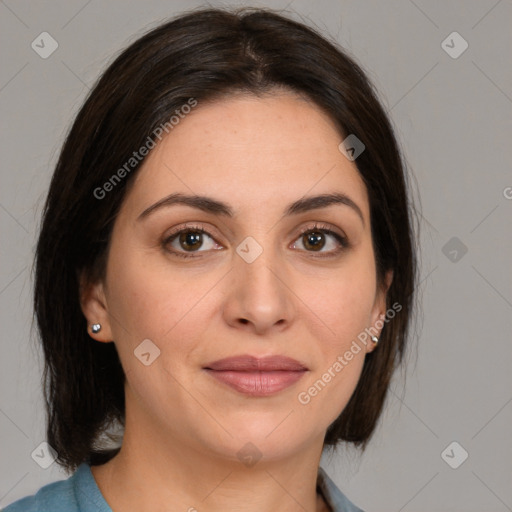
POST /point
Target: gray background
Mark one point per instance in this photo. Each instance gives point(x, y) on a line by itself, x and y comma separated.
point(452, 116)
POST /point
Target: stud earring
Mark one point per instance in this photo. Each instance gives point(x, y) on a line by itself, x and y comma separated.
point(375, 339)
point(95, 328)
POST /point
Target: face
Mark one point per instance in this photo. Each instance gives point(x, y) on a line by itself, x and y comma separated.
point(253, 276)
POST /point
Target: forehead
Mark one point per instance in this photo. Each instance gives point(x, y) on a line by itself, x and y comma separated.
point(251, 151)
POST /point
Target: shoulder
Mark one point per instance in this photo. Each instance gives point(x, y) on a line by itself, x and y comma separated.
point(55, 497)
point(332, 494)
point(78, 493)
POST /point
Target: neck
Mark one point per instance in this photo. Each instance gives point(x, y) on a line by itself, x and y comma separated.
point(159, 472)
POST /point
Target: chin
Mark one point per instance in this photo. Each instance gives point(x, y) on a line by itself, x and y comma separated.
point(269, 440)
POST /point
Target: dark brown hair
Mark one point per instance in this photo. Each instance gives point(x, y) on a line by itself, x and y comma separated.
point(202, 55)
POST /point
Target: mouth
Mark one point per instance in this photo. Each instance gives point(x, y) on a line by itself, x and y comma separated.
point(255, 376)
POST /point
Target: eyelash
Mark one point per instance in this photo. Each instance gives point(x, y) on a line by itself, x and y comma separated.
point(317, 227)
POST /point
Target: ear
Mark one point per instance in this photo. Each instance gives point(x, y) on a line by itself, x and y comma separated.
point(95, 309)
point(379, 309)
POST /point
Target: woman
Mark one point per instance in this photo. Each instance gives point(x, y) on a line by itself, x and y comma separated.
point(225, 272)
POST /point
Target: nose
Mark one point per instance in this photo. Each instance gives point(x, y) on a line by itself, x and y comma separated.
point(259, 297)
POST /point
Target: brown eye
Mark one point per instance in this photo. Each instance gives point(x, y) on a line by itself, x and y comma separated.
point(321, 240)
point(188, 241)
point(314, 240)
point(191, 240)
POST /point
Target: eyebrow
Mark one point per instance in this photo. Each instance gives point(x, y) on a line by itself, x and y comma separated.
point(210, 205)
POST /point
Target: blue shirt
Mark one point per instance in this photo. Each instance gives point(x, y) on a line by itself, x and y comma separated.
point(80, 493)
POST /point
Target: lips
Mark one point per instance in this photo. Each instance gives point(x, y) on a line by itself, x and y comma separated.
point(250, 363)
point(255, 376)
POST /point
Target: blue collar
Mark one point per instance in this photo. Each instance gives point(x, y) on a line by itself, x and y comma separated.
point(332, 495)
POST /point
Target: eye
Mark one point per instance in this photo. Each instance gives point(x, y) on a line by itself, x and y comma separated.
point(189, 239)
point(316, 238)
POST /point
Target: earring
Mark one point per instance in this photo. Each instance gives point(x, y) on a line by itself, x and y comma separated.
point(95, 328)
point(375, 339)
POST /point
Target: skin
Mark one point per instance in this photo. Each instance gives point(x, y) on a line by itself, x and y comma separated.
point(183, 427)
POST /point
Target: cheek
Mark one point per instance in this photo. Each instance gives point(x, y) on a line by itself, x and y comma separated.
point(342, 302)
point(325, 394)
point(149, 299)
point(339, 360)
point(341, 308)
